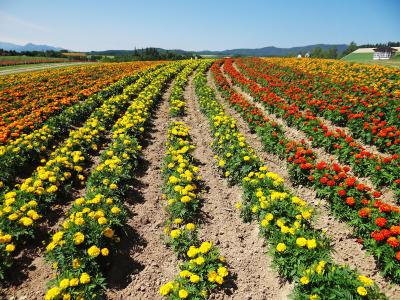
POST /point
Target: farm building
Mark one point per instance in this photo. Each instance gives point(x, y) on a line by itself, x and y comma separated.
point(384, 52)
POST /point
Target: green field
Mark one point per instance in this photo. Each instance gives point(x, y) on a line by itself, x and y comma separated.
point(366, 58)
point(22, 58)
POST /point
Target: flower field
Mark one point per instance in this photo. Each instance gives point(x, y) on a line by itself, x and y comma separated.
point(241, 178)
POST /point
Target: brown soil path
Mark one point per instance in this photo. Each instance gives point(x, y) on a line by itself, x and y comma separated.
point(293, 133)
point(237, 241)
point(346, 249)
point(146, 263)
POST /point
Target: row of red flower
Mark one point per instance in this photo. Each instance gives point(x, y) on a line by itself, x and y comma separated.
point(382, 170)
point(369, 114)
point(377, 224)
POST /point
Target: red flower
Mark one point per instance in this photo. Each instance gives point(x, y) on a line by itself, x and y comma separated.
point(392, 241)
point(331, 182)
point(350, 201)
point(323, 180)
point(311, 178)
point(398, 255)
point(336, 168)
point(395, 230)
point(376, 194)
point(385, 208)
point(350, 181)
point(386, 233)
point(377, 203)
point(381, 222)
point(342, 193)
point(377, 236)
point(360, 187)
point(364, 201)
point(364, 212)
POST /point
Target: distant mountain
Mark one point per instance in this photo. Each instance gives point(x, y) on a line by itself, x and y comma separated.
point(266, 51)
point(27, 47)
point(273, 51)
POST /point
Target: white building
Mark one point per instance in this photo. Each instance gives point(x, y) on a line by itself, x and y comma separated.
point(384, 52)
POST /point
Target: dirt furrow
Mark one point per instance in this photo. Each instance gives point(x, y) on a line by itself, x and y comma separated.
point(346, 249)
point(254, 277)
point(297, 135)
point(145, 263)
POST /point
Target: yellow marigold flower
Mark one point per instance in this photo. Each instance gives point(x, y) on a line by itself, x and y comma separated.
point(311, 244)
point(301, 242)
point(175, 233)
point(238, 205)
point(205, 247)
point(85, 278)
point(190, 226)
point(78, 238)
point(219, 280)
point(52, 189)
point(320, 267)
point(58, 236)
point(5, 238)
point(166, 288)
point(185, 274)
point(76, 263)
point(314, 297)
point(212, 276)
point(246, 158)
point(64, 283)
point(115, 210)
point(200, 260)
point(10, 247)
point(221, 163)
point(105, 252)
point(264, 223)
point(178, 221)
point(108, 232)
point(80, 201)
point(93, 251)
point(74, 282)
point(13, 217)
point(194, 278)
point(192, 252)
point(79, 221)
point(50, 246)
point(185, 199)
point(222, 271)
point(281, 247)
point(306, 214)
point(66, 296)
point(52, 293)
point(102, 220)
point(365, 280)
point(113, 186)
point(305, 280)
point(362, 291)
point(183, 294)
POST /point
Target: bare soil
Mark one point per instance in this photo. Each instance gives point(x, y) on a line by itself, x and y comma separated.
point(145, 263)
point(253, 276)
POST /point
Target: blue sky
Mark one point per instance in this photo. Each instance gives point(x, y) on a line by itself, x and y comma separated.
point(197, 25)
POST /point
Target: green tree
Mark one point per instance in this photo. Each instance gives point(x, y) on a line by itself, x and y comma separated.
point(352, 47)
